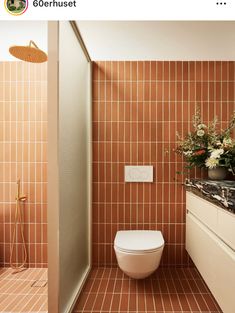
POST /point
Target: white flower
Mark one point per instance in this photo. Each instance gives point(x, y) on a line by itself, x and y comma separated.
point(188, 153)
point(218, 143)
point(201, 126)
point(211, 162)
point(200, 132)
point(215, 154)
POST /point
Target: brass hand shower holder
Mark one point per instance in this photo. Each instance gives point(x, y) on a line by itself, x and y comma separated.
point(18, 221)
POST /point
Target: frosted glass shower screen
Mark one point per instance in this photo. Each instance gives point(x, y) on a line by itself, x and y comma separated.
point(72, 154)
point(73, 149)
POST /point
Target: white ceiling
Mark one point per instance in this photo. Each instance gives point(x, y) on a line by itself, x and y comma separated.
point(155, 40)
point(20, 33)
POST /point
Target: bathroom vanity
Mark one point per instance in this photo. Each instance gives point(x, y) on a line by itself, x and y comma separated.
point(210, 242)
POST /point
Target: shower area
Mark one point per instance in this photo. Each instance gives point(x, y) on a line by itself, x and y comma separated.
point(23, 170)
point(45, 157)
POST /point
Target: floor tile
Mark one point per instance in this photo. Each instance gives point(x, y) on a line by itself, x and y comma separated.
point(168, 290)
point(17, 293)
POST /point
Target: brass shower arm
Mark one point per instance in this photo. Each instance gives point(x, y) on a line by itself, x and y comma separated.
point(32, 43)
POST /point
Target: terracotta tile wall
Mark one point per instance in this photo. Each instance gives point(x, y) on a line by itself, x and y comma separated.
point(23, 148)
point(137, 109)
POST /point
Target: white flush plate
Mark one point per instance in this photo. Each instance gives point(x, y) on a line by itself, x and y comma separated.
point(139, 173)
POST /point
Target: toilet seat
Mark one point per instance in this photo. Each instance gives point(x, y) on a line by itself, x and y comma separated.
point(138, 241)
point(136, 251)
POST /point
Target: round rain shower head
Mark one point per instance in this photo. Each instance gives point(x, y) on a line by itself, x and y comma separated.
point(29, 53)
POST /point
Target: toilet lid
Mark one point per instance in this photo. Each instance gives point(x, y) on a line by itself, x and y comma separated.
point(139, 240)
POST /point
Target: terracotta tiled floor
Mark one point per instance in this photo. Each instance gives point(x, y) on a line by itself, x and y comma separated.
point(17, 293)
point(168, 290)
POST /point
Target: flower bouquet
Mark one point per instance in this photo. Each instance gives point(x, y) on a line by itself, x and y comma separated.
point(206, 147)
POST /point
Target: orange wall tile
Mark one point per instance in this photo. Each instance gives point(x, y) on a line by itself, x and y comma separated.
point(137, 109)
point(23, 142)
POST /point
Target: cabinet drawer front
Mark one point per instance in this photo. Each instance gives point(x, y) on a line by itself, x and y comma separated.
point(214, 260)
point(226, 227)
point(202, 209)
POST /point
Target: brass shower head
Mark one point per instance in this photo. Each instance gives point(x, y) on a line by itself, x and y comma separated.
point(30, 53)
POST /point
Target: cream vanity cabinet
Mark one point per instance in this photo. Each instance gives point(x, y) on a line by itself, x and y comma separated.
point(210, 242)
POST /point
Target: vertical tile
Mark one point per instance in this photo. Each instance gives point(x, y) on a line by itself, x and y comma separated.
point(141, 110)
point(25, 144)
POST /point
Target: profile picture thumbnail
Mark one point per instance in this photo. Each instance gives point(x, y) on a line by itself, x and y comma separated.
point(16, 7)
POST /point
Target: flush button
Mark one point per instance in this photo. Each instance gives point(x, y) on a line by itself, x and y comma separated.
point(139, 173)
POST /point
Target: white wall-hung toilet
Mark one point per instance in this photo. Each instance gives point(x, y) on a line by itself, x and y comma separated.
point(138, 252)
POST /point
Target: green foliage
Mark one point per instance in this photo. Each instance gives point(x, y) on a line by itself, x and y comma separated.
point(12, 8)
point(21, 5)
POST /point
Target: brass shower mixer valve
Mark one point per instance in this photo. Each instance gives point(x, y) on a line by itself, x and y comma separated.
point(22, 198)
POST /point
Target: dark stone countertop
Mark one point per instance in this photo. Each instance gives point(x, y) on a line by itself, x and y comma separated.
point(219, 192)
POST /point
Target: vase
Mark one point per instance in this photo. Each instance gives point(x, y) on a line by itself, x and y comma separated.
point(217, 173)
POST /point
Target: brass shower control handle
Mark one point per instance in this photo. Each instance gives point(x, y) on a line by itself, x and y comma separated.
point(22, 198)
